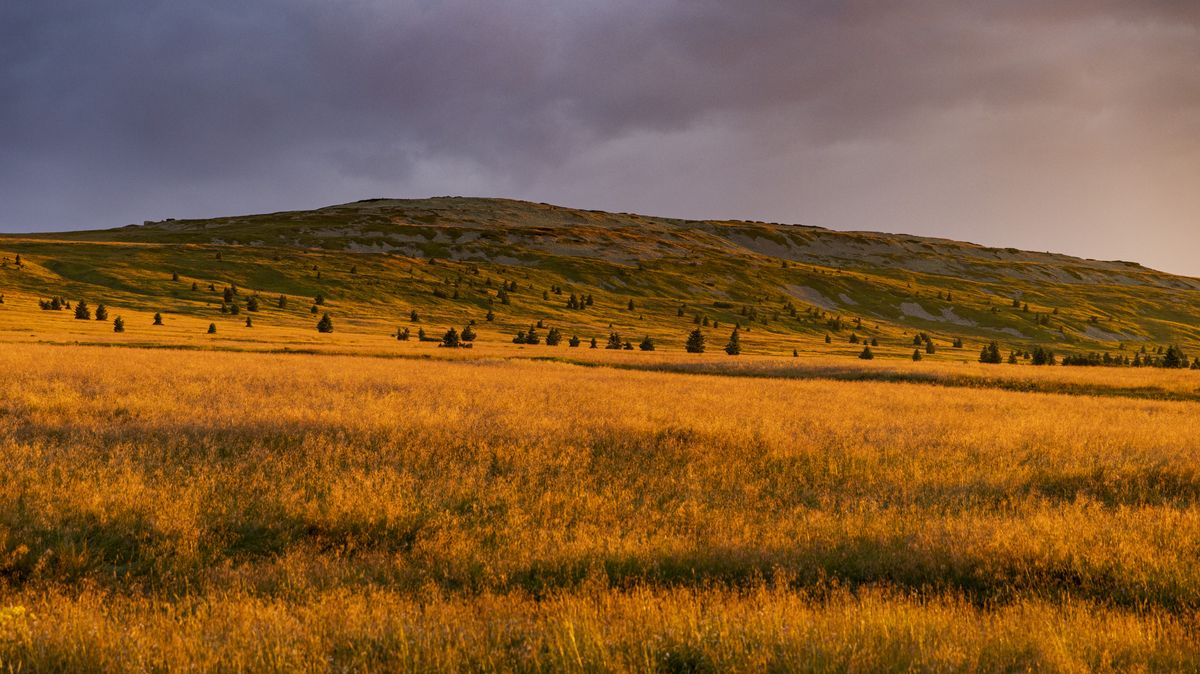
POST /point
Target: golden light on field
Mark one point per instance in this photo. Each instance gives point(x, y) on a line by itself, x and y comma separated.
point(494, 513)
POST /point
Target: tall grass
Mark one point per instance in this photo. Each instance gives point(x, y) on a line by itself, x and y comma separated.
point(251, 512)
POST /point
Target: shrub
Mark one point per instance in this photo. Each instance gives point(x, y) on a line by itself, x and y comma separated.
point(647, 344)
point(574, 341)
point(491, 316)
point(1043, 357)
point(402, 334)
point(325, 324)
point(695, 342)
point(468, 334)
point(252, 303)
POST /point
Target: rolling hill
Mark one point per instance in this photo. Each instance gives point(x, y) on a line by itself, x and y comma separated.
point(376, 261)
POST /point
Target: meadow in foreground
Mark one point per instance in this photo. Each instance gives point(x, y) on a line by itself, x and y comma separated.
point(163, 511)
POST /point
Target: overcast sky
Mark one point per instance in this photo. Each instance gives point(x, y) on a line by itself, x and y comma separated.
point(1065, 125)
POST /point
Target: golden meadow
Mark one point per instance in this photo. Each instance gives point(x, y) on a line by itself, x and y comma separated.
point(166, 510)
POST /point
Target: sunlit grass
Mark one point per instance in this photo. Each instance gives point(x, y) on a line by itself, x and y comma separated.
point(478, 512)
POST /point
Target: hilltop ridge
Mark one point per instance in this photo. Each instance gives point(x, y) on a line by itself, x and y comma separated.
point(789, 281)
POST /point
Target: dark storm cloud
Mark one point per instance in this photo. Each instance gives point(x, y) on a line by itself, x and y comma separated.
point(1067, 125)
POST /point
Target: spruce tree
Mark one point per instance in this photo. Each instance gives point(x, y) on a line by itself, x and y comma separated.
point(228, 294)
point(468, 334)
point(647, 344)
point(325, 324)
point(614, 341)
point(866, 353)
point(281, 302)
point(916, 355)
point(795, 353)
point(574, 342)
point(252, 303)
point(450, 340)
point(631, 305)
point(412, 316)
point(212, 328)
point(319, 299)
point(249, 322)
point(82, 313)
point(593, 344)
point(554, 337)
point(174, 276)
point(695, 342)
point(118, 324)
point(734, 346)
point(157, 318)
point(491, 316)
point(991, 354)
point(828, 339)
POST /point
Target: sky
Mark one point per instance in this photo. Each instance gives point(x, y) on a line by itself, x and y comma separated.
point(1063, 125)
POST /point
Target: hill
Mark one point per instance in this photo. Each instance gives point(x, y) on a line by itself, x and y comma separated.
point(376, 261)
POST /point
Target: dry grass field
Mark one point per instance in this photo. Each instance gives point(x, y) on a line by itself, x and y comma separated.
point(178, 510)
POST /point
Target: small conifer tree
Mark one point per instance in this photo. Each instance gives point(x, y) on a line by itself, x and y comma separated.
point(157, 318)
point(695, 342)
point(82, 312)
point(574, 342)
point(101, 312)
point(118, 324)
point(212, 328)
point(734, 346)
point(468, 334)
point(647, 344)
point(325, 324)
point(252, 303)
point(319, 300)
point(491, 316)
point(916, 355)
point(593, 344)
point(450, 340)
point(174, 276)
point(402, 334)
point(828, 339)
point(866, 353)
point(281, 302)
point(249, 322)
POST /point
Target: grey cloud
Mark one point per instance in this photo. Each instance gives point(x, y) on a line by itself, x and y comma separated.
point(1032, 123)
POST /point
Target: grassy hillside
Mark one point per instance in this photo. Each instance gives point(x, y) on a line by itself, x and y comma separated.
point(376, 261)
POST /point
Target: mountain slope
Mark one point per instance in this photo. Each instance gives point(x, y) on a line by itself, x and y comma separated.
point(446, 258)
